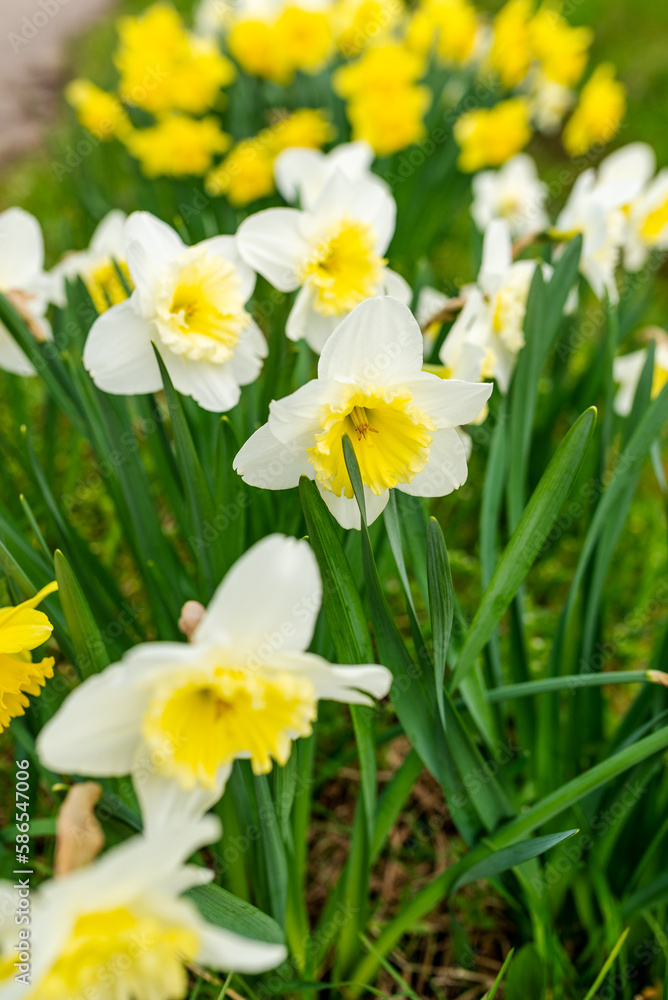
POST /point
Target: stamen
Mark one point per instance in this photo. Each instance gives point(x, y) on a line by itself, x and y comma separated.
point(360, 420)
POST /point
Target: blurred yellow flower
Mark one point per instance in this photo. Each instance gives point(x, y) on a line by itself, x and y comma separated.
point(490, 136)
point(22, 629)
point(247, 172)
point(358, 22)
point(297, 39)
point(390, 124)
point(451, 23)
point(510, 54)
point(306, 127)
point(600, 110)
point(178, 146)
point(99, 112)
point(164, 68)
point(561, 49)
point(384, 69)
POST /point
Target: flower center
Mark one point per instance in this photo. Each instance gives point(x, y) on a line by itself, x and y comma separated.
point(105, 286)
point(390, 436)
point(118, 953)
point(199, 308)
point(344, 269)
point(659, 379)
point(655, 222)
point(198, 724)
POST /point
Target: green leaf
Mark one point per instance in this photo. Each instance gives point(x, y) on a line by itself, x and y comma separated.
point(441, 602)
point(222, 909)
point(510, 857)
point(526, 978)
point(91, 652)
point(527, 540)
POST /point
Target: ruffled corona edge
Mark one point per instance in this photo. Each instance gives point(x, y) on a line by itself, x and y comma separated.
point(18, 679)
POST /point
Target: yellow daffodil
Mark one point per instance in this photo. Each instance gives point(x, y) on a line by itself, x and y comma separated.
point(451, 24)
point(390, 124)
point(164, 68)
point(252, 43)
point(510, 54)
point(305, 38)
point(598, 114)
point(22, 629)
point(99, 112)
point(385, 69)
point(357, 23)
point(178, 146)
point(276, 47)
point(561, 49)
point(489, 137)
point(247, 172)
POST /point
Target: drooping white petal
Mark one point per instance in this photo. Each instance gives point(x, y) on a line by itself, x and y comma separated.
point(378, 342)
point(211, 385)
point(149, 245)
point(221, 949)
point(12, 358)
point(270, 464)
point(119, 355)
point(246, 362)
point(165, 805)
point(448, 402)
point(347, 512)
point(497, 255)
point(268, 602)
point(21, 249)
point(271, 242)
point(446, 469)
point(97, 729)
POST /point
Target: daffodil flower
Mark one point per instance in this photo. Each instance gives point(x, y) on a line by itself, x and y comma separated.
point(514, 193)
point(22, 629)
point(371, 387)
point(25, 283)
point(301, 174)
point(191, 302)
point(98, 266)
point(627, 369)
point(119, 927)
point(332, 251)
point(488, 333)
point(177, 715)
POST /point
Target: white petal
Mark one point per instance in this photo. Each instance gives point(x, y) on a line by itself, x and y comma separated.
point(12, 358)
point(268, 602)
point(348, 683)
point(97, 729)
point(624, 172)
point(149, 245)
point(211, 385)
point(448, 401)
point(119, 355)
point(21, 249)
point(246, 362)
point(347, 512)
point(108, 238)
point(164, 804)
point(446, 469)
point(270, 464)
point(297, 414)
point(227, 247)
point(272, 244)
point(379, 341)
point(298, 170)
point(221, 949)
point(397, 287)
point(362, 199)
point(497, 254)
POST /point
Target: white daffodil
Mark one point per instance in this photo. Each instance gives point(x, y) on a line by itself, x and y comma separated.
point(212, 17)
point(488, 334)
point(370, 385)
point(513, 193)
point(333, 252)
point(301, 173)
point(549, 102)
point(98, 266)
point(177, 715)
point(598, 207)
point(627, 370)
point(25, 283)
point(190, 301)
point(119, 928)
